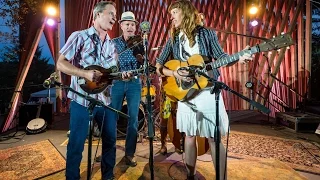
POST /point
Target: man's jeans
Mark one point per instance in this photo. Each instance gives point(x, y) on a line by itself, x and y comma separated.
point(79, 124)
point(131, 90)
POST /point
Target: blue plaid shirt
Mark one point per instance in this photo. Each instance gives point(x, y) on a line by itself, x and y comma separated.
point(127, 61)
point(208, 46)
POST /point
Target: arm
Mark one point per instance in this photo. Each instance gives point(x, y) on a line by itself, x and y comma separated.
point(68, 53)
point(163, 71)
point(215, 47)
point(164, 56)
point(64, 66)
point(218, 52)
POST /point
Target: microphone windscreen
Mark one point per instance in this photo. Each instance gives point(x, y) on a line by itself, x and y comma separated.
point(145, 26)
point(47, 83)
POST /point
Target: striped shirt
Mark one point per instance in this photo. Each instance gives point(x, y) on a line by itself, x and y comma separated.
point(85, 48)
point(127, 61)
point(208, 46)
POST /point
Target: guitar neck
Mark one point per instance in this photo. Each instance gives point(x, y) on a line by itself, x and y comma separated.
point(233, 57)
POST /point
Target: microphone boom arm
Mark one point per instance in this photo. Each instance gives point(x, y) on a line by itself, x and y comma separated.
point(221, 85)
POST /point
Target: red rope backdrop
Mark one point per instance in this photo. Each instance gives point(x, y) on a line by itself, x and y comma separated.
point(282, 86)
point(291, 66)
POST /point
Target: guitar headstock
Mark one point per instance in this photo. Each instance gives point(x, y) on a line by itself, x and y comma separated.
point(278, 42)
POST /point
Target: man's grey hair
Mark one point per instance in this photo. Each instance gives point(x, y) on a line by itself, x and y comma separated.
point(100, 6)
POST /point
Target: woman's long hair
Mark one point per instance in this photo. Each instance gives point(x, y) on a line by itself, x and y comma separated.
point(190, 20)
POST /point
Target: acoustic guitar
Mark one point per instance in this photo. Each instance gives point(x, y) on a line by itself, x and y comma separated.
point(180, 90)
point(108, 75)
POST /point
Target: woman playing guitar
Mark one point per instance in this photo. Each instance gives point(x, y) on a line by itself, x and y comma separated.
point(195, 115)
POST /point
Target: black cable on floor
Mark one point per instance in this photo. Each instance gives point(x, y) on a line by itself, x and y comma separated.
point(14, 136)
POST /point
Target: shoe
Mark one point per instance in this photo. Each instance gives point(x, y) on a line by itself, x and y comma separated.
point(163, 150)
point(112, 178)
point(98, 159)
point(130, 161)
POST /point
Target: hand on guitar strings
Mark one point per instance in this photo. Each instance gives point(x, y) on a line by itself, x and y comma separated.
point(182, 74)
point(246, 57)
point(93, 75)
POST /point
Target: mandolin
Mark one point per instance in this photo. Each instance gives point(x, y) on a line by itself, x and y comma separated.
point(180, 90)
point(108, 75)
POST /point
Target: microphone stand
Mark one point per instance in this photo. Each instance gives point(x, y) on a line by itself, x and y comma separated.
point(216, 88)
point(149, 108)
point(49, 95)
point(292, 90)
point(93, 103)
point(244, 35)
point(268, 85)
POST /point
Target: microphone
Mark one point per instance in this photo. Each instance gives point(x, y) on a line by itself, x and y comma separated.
point(50, 81)
point(156, 48)
point(145, 26)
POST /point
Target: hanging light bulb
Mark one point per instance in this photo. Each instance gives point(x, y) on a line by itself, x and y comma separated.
point(51, 22)
point(51, 11)
point(254, 23)
point(253, 9)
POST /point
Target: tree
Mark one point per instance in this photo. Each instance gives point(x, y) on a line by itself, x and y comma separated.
point(315, 54)
point(10, 53)
point(9, 65)
point(13, 13)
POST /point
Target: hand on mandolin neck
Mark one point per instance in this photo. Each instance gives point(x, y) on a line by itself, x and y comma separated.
point(108, 75)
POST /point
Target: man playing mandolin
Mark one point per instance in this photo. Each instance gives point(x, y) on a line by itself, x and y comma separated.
point(91, 46)
point(196, 115)
point(128, 89)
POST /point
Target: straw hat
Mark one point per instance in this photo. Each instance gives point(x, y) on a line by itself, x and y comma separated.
point(128, 16)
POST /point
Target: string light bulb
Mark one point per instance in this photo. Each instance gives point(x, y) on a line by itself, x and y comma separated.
point(253, 9)
point(51, 11)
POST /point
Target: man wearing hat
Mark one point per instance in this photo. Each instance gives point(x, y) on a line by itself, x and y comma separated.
point(130, 90)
